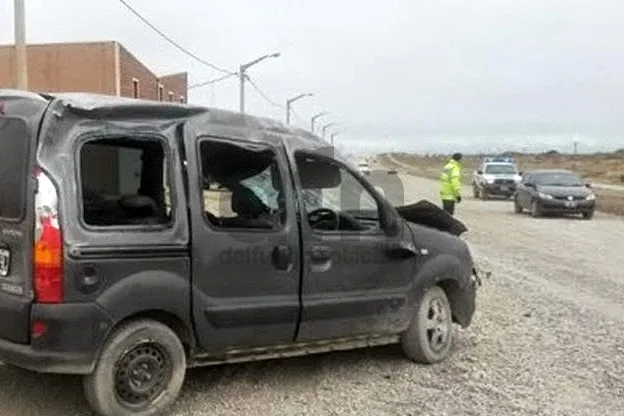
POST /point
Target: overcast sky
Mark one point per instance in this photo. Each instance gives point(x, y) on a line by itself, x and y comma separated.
point(434, 75)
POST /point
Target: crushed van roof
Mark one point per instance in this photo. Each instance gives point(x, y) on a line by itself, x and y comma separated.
point(96, 105)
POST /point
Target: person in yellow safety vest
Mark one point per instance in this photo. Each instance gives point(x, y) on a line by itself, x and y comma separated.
point(450, 183)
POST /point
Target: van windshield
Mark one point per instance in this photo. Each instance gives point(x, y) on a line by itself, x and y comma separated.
point(13, 162)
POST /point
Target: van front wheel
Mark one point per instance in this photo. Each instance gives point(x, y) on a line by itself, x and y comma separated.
point(429, 336)
point(140, 371)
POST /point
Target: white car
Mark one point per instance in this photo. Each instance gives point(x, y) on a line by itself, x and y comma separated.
point(496, 178)
point(364, 168)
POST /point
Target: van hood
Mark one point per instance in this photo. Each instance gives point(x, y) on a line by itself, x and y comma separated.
point(437, 230)
point(428, 214)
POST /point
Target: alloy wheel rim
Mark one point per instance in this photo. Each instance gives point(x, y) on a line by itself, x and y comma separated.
point(437, 325)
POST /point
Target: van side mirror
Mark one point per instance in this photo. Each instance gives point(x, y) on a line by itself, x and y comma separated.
point(588, 185)
point(480, 172)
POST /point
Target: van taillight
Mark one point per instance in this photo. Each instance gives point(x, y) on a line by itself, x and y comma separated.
point(48, 250)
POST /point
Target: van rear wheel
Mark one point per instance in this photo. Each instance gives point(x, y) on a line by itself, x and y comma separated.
point(139, 373)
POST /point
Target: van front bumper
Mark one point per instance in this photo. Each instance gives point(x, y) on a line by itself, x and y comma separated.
point(70, 343)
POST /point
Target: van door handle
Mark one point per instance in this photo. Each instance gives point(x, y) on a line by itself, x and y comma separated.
point(282, 257)
point(401, 249)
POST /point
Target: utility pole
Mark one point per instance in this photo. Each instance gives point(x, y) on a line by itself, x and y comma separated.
point(242, 75)
point(21, 65)
point(313, 119)
point(292, 100)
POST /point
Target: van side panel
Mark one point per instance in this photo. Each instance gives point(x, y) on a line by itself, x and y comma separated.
point(123, 271)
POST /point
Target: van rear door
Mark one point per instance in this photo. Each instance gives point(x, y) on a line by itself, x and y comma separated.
point(18, 122)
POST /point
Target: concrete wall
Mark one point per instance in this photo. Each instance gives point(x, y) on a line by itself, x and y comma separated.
point(131, 69)
point(65, 67)
point(99, 67)
point(134, 74)
point(175, 87)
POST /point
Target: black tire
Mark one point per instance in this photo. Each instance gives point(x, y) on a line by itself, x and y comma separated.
point(140, 347)
point(517, 207)
point(425, 329)
point(588, 215)
point(536, 211)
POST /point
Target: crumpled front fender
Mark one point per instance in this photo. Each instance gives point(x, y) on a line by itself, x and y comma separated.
point(456, 278)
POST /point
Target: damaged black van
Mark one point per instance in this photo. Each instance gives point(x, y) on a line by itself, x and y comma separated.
point(138, 239)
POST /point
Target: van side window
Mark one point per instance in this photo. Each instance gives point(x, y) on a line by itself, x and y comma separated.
point(333, 197)
point(14, 144)
point(124, 182)
point(242, 186)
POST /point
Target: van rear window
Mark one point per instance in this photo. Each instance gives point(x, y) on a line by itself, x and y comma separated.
point(14, 145)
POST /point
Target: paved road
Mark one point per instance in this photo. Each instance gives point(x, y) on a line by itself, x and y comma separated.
point(547, 339)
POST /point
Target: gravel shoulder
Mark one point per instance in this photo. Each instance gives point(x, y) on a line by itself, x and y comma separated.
point(547, 339)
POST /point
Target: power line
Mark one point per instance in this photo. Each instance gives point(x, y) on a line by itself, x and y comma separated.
point(227, 72)
point(262, 94)
point(171, 41)
point(211, 81)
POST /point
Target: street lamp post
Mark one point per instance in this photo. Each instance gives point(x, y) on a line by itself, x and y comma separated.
point(313, 119)
point(325, 127)
point(241, 76)
point(333, 135)
point(292, 100)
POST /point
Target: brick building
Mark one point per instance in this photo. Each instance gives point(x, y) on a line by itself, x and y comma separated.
point(99, 67)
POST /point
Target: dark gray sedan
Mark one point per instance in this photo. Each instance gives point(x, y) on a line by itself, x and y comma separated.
point(554, 191)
